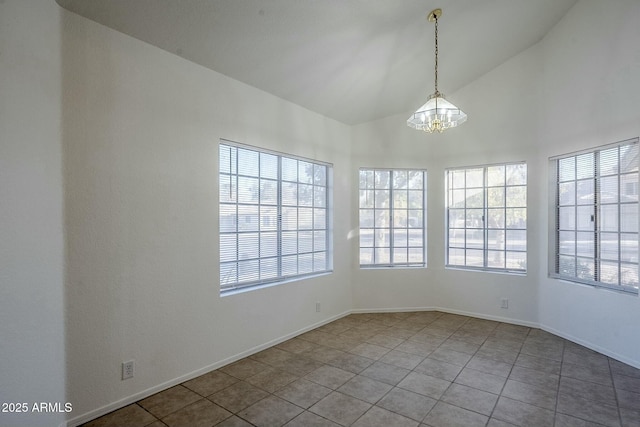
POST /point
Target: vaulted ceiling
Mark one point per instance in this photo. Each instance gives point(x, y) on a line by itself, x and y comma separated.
point(351, 60)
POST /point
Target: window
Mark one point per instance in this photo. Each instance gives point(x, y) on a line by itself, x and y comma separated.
point(392, 220)
point(594, 238)
point(274, 217)
point(487, 217)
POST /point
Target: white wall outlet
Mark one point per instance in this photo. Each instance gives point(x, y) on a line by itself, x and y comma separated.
point(127, 369)
point(317, 307)
point(504, 303)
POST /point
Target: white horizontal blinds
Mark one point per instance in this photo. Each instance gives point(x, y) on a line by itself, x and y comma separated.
point(597, 217)
point(273, 217)
point(392, 223)
point(487, 217)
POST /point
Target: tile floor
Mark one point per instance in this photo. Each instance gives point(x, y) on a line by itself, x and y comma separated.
point(403, 369)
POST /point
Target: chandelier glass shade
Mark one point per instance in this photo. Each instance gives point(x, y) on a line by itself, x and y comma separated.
point(437, 114)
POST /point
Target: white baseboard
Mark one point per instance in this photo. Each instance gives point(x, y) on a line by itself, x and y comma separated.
point(88, 416)
point(448, 310)
point(599, 349)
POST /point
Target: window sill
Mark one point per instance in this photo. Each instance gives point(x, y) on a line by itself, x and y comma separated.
point(248, 288)
point(620, 290)
point(486, 270)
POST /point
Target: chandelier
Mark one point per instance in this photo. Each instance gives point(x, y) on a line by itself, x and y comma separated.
point(437, 114)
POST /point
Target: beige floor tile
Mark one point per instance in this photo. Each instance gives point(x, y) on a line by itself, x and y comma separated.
point(309, 419)
point(499, 354)
point(244, 368)
point(303, 393)
point(421, 349)
point(587, 373)
point(297, 345)
point(588, 410)
point(386, 373)
point(329, 376)
point(469, 398)
point(460, 346)
point(378, 417)
point(209, 383)
point(490, 366)
point(272, 356)
point(351, 363)
point(132, 415)
point(539, 364)
point(630, 417)
point(324, 354)
point(370, 351)
point(298, 365)
point(385, 341)
point(170, 400)
point(499, 423)
point(271, 411)
point(424, 384)
point(272, 380)
point(481, 380)
point(364, 388)
point(451, 356)
point(401, 359)
point(238, 396)
point(628, 399)
point(590, 391)
point(624, 382)
point(407, 403)
point(234, 422)
point(535, 378)
point(200, 414)
point(623, 369)
point(340, 408)
point(445, 415)
point(522, 414)
point(523, 392)
point(563, 420)
point(438, 369)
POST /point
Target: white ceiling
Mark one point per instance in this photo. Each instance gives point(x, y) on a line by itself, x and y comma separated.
point(351, 60)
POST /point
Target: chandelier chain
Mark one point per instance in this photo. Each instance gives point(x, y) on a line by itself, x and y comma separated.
point(436, 66)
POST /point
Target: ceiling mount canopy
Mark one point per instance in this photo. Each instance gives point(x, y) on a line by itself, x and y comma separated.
point(437, 114)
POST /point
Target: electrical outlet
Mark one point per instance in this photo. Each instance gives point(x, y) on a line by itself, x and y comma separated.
point(127, 369)
point(317, 307)
point(504, 303)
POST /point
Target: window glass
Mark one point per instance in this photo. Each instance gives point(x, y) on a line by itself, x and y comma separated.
point(487, 217)
point(596, 217)
point(392, 228)
point(274, 217)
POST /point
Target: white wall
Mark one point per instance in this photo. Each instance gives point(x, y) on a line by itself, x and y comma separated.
point(121, 138)
point(591, 87)
point(578, 88)
point(141, 132)
point(31, 212)
point(491, 135)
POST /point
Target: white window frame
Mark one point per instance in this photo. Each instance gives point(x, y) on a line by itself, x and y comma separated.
point(597, 225)
point(285, 229)
point(386, 228)
point(477, 222)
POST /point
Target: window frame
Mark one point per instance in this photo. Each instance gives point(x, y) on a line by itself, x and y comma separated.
point(264, 224)
point(485, 228)
point(555, 205)
point(391, 225)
